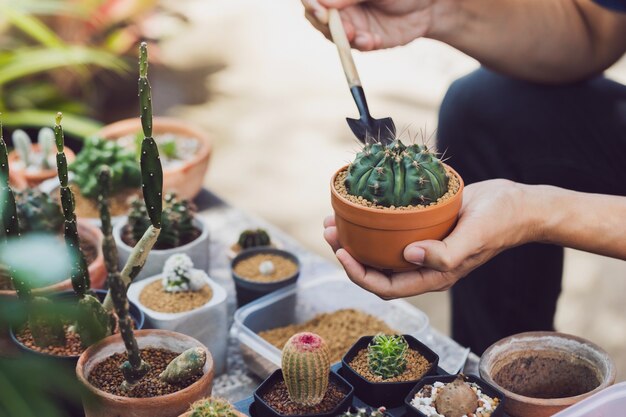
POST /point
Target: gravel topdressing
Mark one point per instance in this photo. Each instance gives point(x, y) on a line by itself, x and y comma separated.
point(249, 268)
point(156, 298)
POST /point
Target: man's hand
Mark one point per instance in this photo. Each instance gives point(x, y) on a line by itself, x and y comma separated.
point(375, 24)
point(493, 218)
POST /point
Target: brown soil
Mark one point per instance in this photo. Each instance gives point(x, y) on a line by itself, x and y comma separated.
point(340, 329)
point(278, 398)
point(453, 187)
point(72, 345)
point(88, 208)
point(540, 376)
point(248, 268)
point(107, 376)
point(156, 298)
point(127, 237)
point(416, 366)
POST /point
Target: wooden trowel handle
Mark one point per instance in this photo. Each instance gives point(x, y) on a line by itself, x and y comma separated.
point(343, 46)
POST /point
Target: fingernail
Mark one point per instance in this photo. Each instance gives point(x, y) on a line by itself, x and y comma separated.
point(415, 255)
point(360, 40)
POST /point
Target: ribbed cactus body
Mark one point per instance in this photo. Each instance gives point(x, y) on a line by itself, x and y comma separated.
point(254, 238)
point(306, 367)
point(397, 175)
point(38, 212)
point(386, 355)
point(213, 407)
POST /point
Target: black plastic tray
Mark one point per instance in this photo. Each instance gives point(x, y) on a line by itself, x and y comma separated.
point(246, 406)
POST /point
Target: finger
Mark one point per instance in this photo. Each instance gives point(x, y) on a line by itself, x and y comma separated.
point(316, 10)
point(330, 235)
point(366, 278)
point(339, 4)
point(364, 41)
point(317, 25)
point(329, 221)
point(443, 256)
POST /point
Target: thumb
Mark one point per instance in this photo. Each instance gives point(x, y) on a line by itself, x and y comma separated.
point(442, 256)
point(339, 4)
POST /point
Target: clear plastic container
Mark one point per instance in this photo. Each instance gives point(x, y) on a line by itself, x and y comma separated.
point(301, 302)
point(610, 402)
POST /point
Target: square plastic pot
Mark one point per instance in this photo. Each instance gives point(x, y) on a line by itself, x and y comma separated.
point(387, 394)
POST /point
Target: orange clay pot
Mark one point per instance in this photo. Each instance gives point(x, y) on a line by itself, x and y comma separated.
point(98, 403)
point(33, 179)
point(377, 237)
point(185, 180)
point(97, 269)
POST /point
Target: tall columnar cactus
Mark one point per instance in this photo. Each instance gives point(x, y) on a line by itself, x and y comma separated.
point(386, 355)
point(10, 224)
point(306, 367)
point(397, 175)
point(254, 238)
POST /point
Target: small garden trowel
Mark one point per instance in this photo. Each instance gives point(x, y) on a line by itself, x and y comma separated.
point(366, 128)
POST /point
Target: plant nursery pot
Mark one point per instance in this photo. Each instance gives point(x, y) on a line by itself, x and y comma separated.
point(248, 291)
point(35, 178)
point(208, 323)
point(97, 269)
point(185, 180)
point(103, 404)
point(377, 237)
point(486, 388)
point(135, 313)
point(542, 373)
point(263, 409)
point(387, 394)
point(197, 250)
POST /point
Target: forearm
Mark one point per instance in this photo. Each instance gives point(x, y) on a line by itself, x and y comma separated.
point(590, 222)
point(552, 41)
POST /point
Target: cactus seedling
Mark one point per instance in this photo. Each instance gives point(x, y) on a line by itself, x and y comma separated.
point(306, 368)
point(213, 407)
point(387, 355)
point(24, 147)
point(253, 238)
point(184, 366)
point(397, 175)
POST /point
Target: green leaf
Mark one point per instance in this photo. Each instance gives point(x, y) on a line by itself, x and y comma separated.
point(32, 27)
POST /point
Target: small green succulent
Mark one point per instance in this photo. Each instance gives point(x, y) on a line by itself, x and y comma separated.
point(366, 412)
point(387, 355)
point(38, 212)
point(254, 238)
point(212, 407)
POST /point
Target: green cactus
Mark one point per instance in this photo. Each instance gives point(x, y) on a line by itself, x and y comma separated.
point(213, 407)
point(254, 238)
point(386, 355)
point(38, 212)
point(10, 222)
point(177, 226)
point(397, 175)
point(186, 365)
point(45, 139)
point(306, 368)
point(22, 145)
point(366, 412)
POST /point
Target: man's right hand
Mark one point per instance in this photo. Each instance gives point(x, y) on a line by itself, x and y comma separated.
point(376, 24)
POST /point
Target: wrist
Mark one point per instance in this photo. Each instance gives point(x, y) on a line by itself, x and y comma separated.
point(449, 17)
point(541, 212)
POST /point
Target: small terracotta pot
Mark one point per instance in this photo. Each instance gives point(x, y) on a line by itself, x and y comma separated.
point(186, 180)
point(33, 179)
point(561, 368)
point(377, 237)
point(103, 404)
point(97, 269)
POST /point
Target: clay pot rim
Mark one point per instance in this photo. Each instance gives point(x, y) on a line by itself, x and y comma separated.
point(427, 209)
point(608, 380)
point(40, 175)
point(62, 285)
point(132, 400)
point(123, 127)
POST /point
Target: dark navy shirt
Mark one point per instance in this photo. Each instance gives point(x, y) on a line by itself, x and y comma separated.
point(617, 5)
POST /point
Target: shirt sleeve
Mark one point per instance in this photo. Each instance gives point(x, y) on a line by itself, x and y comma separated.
point(617, 5)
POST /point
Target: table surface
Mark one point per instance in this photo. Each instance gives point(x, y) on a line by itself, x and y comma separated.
point(225, 222)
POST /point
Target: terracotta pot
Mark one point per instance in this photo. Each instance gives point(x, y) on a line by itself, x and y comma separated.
point(377, 237)
point(102, 404)
point(97, 269)
point(552, 370)
point(33, 179)
point(186, 180)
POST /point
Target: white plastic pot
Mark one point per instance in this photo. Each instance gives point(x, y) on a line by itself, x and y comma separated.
point(208, 323)
point(197, 250)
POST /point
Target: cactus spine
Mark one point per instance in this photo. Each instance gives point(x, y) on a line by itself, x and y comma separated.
point(306, 367)
point(253, 238)
point(397, 175)
point(386, 355)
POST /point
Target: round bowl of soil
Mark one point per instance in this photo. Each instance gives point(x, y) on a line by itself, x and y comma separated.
point(271, 399)
point(542, 373)
point(201, 314)
point(32, 176)
point(185, 151)
point(390, 392)
point(454, 396)
point(260, 271)
point(91, 245)
point(72, 349)
point(376, 236)
point(98, 371)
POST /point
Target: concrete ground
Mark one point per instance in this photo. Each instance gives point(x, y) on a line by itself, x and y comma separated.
point(272, 92)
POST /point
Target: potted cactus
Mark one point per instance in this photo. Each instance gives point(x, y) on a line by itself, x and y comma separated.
point(305, 386)
point(186, 300)
point(392, 195)
point(183, 231)
point(34, 162)
point(384, 368)
point(252, 238)
point(212, 407)
point(148, 372)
